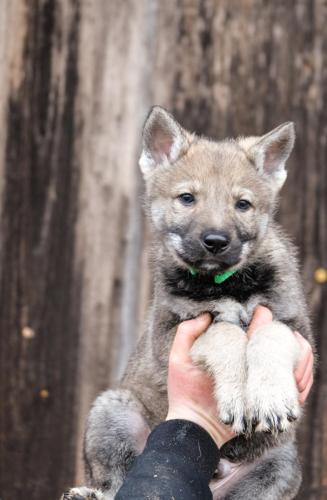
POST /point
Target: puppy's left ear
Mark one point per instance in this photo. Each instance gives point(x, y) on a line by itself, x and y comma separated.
point(271, 152)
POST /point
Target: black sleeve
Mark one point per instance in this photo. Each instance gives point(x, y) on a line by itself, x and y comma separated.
point(178, 462)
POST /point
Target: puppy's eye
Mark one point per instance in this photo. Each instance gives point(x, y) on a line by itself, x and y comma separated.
point(186, 198)
point(243, 205)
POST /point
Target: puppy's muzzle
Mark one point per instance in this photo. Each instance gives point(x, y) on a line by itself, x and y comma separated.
point(215, 242)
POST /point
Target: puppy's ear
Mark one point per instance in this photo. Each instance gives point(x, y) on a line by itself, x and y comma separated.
point(164, 140)
point(271, 152)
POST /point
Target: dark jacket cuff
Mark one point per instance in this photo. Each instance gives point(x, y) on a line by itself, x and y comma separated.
point(190, 441)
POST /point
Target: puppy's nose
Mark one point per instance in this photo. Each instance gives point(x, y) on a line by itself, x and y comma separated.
point(215, 241)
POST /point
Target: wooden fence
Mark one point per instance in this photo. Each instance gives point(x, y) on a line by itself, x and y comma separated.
point(77, 79)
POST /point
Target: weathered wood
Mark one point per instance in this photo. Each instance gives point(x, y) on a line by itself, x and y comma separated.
point(114, 96)
point(78, 77)
point(39, 296)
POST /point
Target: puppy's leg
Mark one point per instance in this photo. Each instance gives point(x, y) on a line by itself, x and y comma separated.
point(276, 476)
point(221, 350)
point(271, 392)
point(116, 433)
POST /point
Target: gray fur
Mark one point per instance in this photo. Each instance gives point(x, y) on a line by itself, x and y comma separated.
point(219, 173)
point(276, 475)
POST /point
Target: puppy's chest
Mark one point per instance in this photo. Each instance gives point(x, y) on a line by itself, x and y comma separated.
point(233, 300)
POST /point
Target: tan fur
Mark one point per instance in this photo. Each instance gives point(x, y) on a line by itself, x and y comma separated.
point(254, 383)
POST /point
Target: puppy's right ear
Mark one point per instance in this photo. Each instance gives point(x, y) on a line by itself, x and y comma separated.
point(164, 140)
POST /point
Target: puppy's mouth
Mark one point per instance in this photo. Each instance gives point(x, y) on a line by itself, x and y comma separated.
point(229, 261)
point(190, 254)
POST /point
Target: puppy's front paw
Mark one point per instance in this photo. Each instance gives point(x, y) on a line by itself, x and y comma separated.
point(271, 392)
point(272, 406)
point(221, 350)
point(82, 493)
point(231, 409)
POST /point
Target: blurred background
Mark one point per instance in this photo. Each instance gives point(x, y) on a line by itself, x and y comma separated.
point(77, 78)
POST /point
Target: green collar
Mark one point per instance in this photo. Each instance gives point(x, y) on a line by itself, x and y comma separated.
point(218, 278)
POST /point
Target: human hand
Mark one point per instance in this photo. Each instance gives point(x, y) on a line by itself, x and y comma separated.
point(303, 372)
point(190, 389)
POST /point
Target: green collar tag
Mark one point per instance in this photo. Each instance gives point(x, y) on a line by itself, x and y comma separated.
point(218, 278)
point(193, 271)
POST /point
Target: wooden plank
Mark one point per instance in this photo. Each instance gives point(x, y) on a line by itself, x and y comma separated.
point(39, 297)
point(113, 100)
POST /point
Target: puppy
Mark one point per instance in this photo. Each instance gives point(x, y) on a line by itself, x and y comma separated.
point(216, 248)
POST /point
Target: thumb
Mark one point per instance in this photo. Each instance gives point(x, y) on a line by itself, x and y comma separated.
point(187, 332)
point(261, 316)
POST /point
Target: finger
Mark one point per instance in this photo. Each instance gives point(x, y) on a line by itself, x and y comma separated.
point(305, 356)
point(187, 333)
point(301, 384)
point(303, 395)
point(261, 316)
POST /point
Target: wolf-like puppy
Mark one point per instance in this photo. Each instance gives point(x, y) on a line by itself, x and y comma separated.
point(216, 248)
